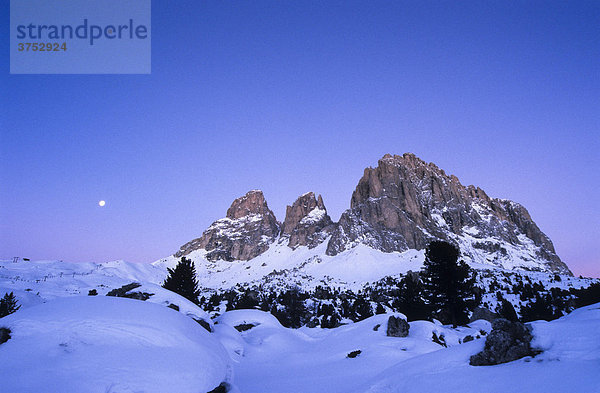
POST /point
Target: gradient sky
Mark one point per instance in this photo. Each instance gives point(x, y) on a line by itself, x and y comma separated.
point(295, 96)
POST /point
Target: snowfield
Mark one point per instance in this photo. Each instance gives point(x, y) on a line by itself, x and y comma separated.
point(65, 341)
point(271, 358)
point(570, 363)
point(109, 345)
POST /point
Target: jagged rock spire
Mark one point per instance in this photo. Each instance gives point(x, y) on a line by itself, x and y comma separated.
point(306, 221)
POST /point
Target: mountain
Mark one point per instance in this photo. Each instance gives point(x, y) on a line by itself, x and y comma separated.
point(404, 203)
point(396, 209)
point(243, 234)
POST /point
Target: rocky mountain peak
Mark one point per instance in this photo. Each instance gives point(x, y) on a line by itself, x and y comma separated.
point(252, 203)
point(404, 203)
point(246, 232)
point(306, 221)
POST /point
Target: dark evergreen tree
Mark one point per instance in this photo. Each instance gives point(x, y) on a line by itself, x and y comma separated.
point(540, 308)
point(587, 296)
point(361, 309)
point(293, 312)
point(8, 304)
point(447, 283)
point(409, 299)
point(506, 310)
point(182, 280)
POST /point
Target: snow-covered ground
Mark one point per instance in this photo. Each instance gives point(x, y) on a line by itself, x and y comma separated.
point(109, 345)
point(105, 344)
point(271, 358)
point(277, 359)
point(570, 363)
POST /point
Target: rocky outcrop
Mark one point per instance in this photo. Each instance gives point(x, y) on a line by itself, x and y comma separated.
point(404, 203)
point(483, 313)
point(397, 327)
point(4, 335)
point(246, 232)
point(507, 341)
point(307, 222)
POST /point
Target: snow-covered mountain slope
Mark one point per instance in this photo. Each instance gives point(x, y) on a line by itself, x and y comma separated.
point(36, 282)
point(282, 266)
point(99, 344)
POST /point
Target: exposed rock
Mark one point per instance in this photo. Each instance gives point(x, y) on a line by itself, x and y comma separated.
point(441, 339)
point(307, 222)
point(404, 203)
point(483, 313)
point(247, 231)
point(125, 291)
point(222, 388)
point(204, 324)
point(4, 335)
point(506, 342)
point(245, 326)
point(397, 327)
point(354, 354)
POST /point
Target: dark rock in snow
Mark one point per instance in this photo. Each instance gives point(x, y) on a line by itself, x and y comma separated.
point(222, 388)
point(204, 324)
point(506, 342)
point(483, 313)
point(397, 327)
point(439, 339)
point(4, 335)
point(245, 326)
point(354, 354)
point(125, 291)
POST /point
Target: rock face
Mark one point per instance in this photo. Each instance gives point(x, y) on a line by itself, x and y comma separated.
point(507, 341)
point(397, 327)
point(404, 203)
point(4, 335)
point(246, 232)
point(307, 222)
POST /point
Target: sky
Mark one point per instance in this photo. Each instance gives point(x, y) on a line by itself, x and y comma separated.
point(298, 96)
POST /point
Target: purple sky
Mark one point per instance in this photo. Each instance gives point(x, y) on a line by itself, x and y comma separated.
point(290, 97)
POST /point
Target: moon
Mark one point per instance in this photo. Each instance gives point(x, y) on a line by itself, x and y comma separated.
point(101, 203)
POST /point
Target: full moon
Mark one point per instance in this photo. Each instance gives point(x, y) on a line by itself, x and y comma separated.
point(101, 203)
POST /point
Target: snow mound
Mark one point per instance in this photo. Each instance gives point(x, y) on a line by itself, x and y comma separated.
point(569, 363)
point(248, 317)
point(107, 344)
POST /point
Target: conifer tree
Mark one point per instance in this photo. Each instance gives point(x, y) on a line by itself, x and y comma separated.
point(182, 280)
point(409, 300)
point(447, 283)
point(506, 310)
point(8, 304)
